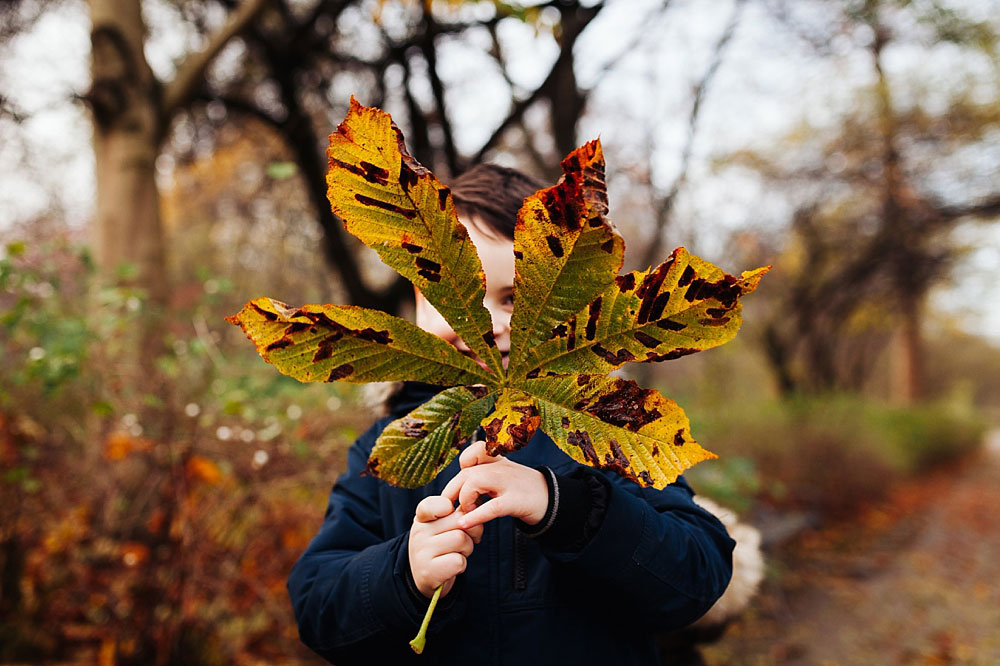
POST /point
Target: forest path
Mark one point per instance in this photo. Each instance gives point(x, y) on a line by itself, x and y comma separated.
point(915, 582)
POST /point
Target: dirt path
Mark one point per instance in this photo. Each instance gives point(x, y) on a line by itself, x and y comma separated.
point(916, 581)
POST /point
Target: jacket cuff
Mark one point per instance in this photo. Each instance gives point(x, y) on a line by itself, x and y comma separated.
point(578, 503)
point(413, 603)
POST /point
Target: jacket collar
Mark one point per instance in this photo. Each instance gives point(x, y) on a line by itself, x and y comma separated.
point(410, 396)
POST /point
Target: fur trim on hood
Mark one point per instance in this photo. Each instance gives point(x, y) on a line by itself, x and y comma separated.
point(748, 566)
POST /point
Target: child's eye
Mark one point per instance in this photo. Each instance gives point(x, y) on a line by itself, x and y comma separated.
point(509, 299)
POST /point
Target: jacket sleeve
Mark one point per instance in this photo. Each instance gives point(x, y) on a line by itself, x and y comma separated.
point(656, 559)
point(349, 588)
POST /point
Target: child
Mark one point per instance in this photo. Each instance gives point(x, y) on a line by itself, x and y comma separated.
point(565, 564)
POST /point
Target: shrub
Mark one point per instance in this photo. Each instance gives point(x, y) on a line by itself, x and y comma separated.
point(827, 454)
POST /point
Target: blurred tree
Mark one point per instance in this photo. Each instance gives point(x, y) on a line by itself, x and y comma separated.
point(297, 62)
point(869, 238)
point(133, 112)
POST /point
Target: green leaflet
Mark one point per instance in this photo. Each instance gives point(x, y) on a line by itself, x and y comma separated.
point(683, 306)
point(512, 423)
point(565, 252)
point(325, 343)
point(399, 209)
point(615, 424)
point(411, 451)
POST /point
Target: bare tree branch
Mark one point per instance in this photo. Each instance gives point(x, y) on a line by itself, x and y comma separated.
point(666, 206)
point(191, 72)
point(575, 21)
point(429, 50)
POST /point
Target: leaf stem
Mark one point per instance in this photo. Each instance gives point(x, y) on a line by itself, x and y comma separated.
point(421, 638)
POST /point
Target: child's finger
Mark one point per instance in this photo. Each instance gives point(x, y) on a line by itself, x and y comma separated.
point(453, 487)
point(480, 516)
point(471, 492)
point(475, 454)
point(433, 507)
point(476, 533)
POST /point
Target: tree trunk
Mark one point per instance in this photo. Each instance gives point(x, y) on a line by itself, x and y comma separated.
point(125, 99)
point(907, 370)
point(128, 239)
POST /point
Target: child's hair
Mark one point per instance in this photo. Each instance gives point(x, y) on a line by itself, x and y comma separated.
point(493, 194)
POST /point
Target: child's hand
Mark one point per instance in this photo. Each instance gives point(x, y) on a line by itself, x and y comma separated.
point(438, 547)
point(515, 490)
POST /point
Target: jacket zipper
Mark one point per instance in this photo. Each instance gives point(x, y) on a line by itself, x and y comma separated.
point(519, 575)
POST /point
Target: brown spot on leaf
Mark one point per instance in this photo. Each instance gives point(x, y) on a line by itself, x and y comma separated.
point(658, 305)
point(278, 344)
point(325, 348)
point(428, 275)
point(616, 460)
point(428, 269)
point(407, 176)
point(518, 254)
point(320, 319)
point(693, 290)
point(374, 174)
point(716, 313)
point(581, 439)
point(493, 427)
point(646, 478)
point(411, 248)
point(422, 262)
point(571, 341)
point(669, 356)
point(558, 332)
point(554, 245)
point(679, 438)
point(714, 322)
point(686, 277)
point(565, 422)
point(622, 356)
point(521, 433)
point(593, 312)
point(371, 335)
point(671, 325)
point(649, 289)
point(582, 380)
point(625, 406)
point(353, 168)
point(625, 282)
point(608, 245)
point(270, 316)
point(490, 339)
point(531, 374)
point(726, 291)
point(413, 428)
point(443, 195)
point(297, 327)
point(385, 205)
point(646, 340)
point(340, 372)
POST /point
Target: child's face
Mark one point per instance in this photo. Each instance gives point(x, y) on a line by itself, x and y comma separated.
point(497, 256)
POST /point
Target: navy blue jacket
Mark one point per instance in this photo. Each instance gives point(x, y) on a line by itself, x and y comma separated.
point(657, 562)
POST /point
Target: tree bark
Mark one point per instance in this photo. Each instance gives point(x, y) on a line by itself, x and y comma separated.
point(124, 99)
point(907, 380)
